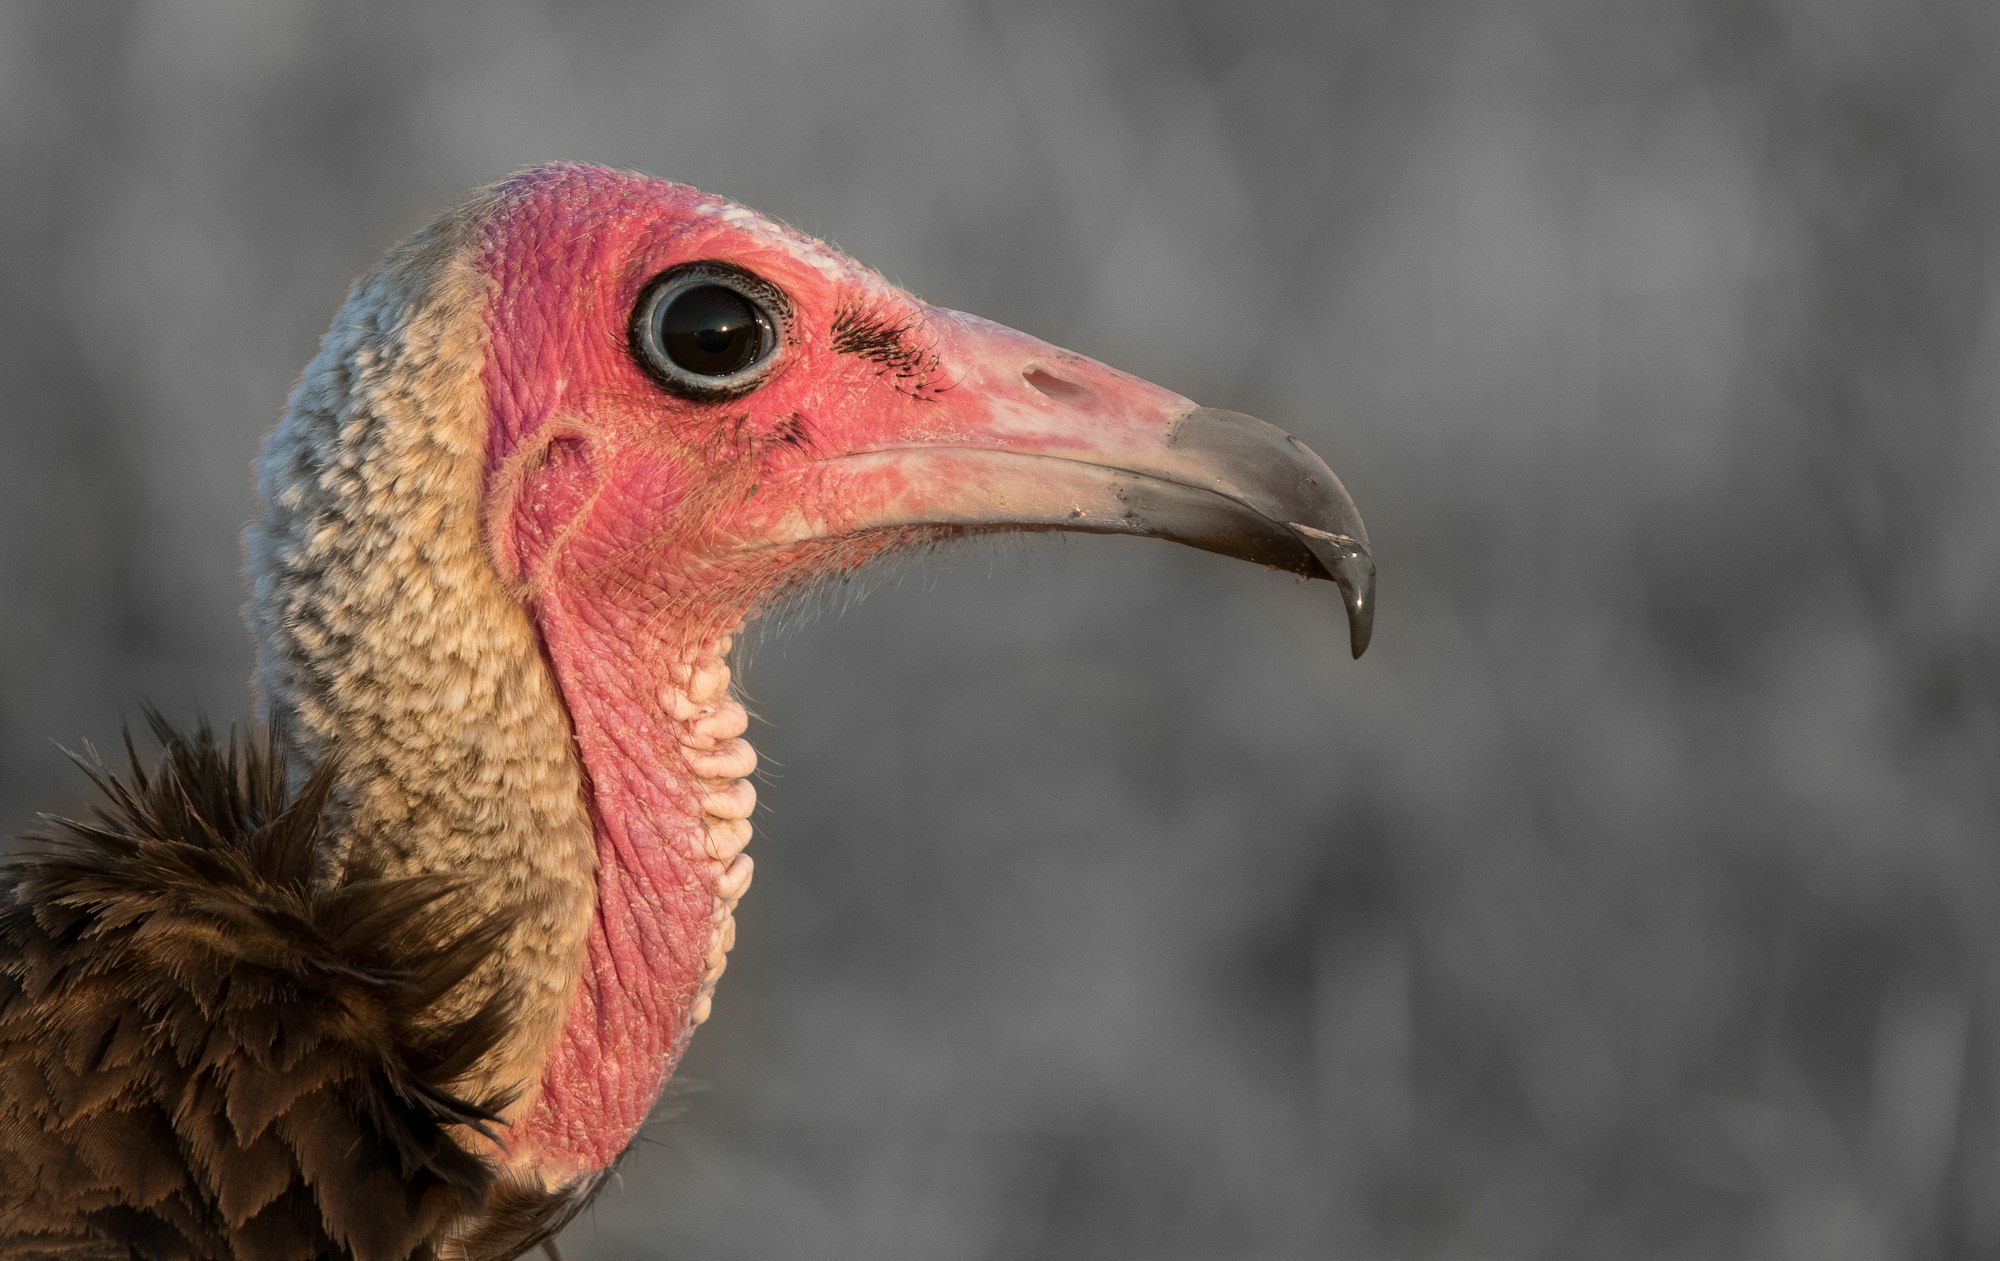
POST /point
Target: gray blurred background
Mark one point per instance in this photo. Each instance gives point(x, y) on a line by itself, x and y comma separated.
point(1635, 896)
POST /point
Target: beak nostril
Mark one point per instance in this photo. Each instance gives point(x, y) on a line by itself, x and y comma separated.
point(1051, 385)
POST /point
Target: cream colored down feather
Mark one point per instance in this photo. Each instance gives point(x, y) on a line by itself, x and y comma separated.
point(384, 632)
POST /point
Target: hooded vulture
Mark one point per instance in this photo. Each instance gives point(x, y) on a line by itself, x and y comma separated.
point(400, 979)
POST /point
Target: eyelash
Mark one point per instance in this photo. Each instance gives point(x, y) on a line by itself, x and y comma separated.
point(888, 343)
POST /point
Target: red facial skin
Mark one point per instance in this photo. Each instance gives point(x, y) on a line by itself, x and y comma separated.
point(637, 525)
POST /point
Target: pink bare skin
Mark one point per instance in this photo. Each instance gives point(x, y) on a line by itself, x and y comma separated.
point(640, 527)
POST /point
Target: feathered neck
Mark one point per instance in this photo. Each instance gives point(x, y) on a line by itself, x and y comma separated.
point(384, 633)
point(583, 767)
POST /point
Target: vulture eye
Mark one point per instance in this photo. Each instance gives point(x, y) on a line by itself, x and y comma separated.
point(707, 329)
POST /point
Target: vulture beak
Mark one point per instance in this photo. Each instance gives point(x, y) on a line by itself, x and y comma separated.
point(997, 431)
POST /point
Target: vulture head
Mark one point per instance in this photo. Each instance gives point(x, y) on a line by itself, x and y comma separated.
point(555, 450)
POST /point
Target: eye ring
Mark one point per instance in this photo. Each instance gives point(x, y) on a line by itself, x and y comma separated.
point(708, 330)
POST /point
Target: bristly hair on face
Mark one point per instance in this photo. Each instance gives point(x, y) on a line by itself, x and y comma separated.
point(893, 343)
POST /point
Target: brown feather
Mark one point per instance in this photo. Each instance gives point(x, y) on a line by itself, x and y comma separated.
point(209, 1052)
point(519, 1217)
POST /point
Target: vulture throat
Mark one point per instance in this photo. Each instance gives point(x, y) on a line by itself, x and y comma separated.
point(554, 451)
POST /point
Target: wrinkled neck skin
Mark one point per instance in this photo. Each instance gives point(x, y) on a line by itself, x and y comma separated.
point(661, 742)
point(634, 635)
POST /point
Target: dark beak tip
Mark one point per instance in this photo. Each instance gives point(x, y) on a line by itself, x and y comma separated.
point(1360, 621)
point(1346, 560)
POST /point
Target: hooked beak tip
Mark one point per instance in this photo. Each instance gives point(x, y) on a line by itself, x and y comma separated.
point(1346, 561)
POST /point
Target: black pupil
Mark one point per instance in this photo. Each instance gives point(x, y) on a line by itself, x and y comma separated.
point(710, 330)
